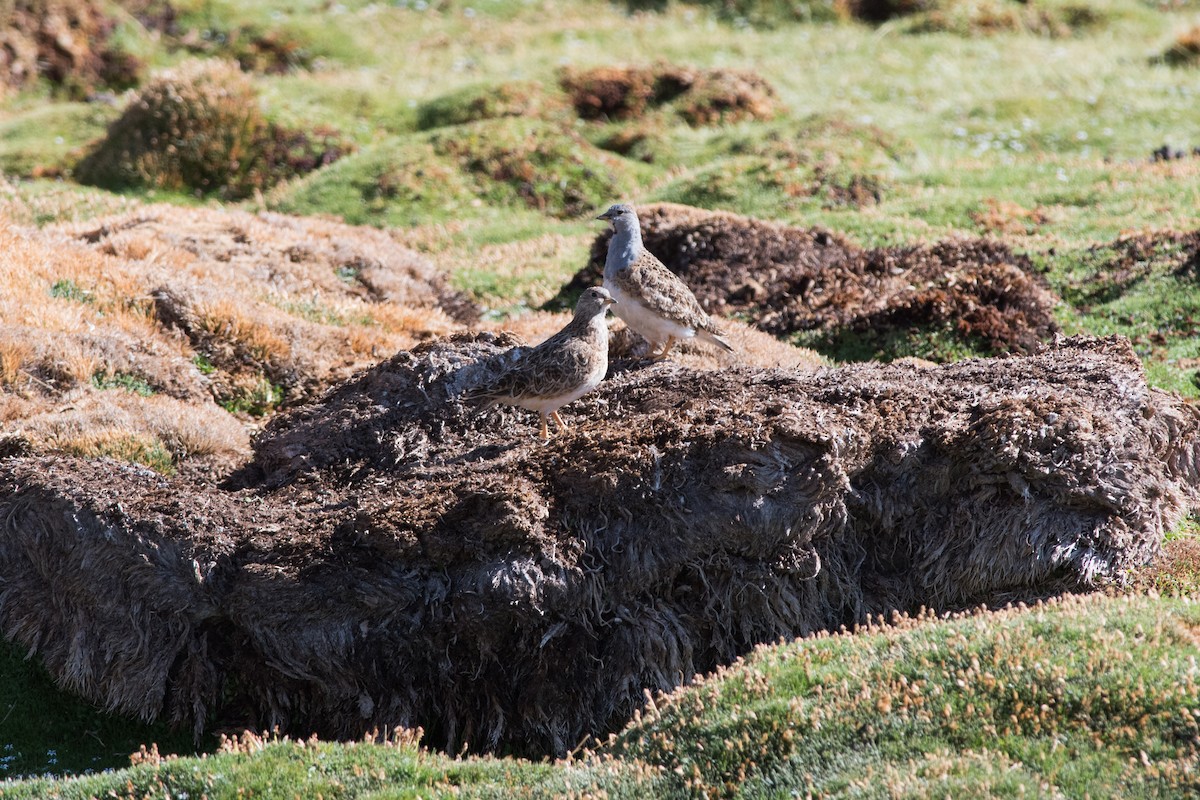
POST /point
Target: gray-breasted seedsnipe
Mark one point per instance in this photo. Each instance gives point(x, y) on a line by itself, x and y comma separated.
point(651, 299)
point(563, 368)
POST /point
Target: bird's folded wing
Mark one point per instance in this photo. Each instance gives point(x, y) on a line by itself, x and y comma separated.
point(663, 292)
point(548, 370)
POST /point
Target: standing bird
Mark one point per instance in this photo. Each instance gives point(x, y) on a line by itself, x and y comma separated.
point(651, 299)
point(563, 368)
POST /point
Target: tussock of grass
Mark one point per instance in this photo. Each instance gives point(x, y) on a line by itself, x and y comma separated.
point(91, 357)
point(200, 128)
point(486, 101)
point(1084, 696)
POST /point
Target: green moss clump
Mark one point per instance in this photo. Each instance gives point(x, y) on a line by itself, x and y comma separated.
point(543, 166)
point(488, 101)
point(399, 181)
point(199, 128)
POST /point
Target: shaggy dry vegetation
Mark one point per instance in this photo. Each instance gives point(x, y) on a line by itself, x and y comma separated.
point(397, 558)
point(135, 336)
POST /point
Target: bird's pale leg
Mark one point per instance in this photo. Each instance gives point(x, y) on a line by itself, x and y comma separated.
point(562, 426)
point(666, 348)
point(545, 429)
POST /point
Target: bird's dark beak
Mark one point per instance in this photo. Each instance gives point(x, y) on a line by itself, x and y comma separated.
point(611, 302)
point(605, 216)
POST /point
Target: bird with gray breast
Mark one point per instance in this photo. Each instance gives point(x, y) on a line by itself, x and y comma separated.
point(563, 368)
point(651, 299)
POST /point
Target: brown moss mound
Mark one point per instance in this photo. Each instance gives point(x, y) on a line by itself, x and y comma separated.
point(790, 280)
point(199, 128)
point(68, 42)
point(403, 560)
point(700, 96)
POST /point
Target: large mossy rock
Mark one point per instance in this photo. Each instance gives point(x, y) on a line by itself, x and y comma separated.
point(396, 558)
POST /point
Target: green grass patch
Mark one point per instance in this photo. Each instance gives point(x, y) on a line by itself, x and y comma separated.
point(1145, 287)
point(255, 398)
point(104, 379)
point(1092, 696)
point(940, 343)
point(204, 364)
point(67, 289)
point(47, 139)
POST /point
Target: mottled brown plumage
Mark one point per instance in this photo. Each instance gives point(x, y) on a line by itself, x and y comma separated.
point(563, 368)
point(651, 299)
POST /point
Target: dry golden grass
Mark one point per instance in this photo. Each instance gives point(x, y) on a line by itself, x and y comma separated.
point(33, 204)
point(158, 431)
point(1007, 217)
point(135, 336)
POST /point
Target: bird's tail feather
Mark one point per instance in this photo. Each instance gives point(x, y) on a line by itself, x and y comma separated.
point(712, 338)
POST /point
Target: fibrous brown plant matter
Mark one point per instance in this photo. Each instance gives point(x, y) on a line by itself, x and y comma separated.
point(790, 280)
point(396, 558)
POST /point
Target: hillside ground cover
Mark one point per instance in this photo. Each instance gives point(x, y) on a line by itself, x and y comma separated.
point(1065, 130)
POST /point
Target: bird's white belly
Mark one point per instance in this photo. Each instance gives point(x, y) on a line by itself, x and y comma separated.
point(643, 321)
point(548, 404)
